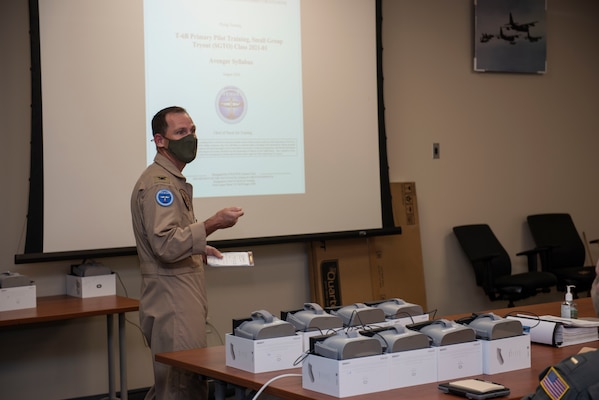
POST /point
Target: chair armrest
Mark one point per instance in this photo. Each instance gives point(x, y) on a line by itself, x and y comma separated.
point(531, 256)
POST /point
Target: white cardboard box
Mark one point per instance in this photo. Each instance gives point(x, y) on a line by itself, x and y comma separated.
point(506, 354)
point(343, 378)
point(91, 286)
point(414, 367)
point(306, 338)
point(17, 298)
point(459, 360)
point(263, 355)
point(405, 320)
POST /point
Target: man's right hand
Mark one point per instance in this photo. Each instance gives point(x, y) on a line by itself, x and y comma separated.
point(225, 218)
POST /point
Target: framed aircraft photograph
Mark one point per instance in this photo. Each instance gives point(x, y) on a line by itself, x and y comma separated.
point(510, 36)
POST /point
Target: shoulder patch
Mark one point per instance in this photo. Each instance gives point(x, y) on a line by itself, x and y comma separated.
point(554, 384)
point(164, 197)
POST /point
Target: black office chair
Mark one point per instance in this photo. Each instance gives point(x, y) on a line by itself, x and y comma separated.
point(561, 250)
point(493, 267)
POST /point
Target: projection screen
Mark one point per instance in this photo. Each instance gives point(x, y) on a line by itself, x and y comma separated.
point(283, 94)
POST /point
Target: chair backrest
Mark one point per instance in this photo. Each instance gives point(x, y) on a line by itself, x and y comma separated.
point(485, 253)
point(557, 232)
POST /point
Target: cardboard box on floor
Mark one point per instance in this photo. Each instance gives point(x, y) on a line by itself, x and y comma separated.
point(347, 271)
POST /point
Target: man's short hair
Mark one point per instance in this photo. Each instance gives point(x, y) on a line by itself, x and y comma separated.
point(159, 124)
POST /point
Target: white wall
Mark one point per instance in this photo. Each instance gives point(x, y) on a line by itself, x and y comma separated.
point(511, 145)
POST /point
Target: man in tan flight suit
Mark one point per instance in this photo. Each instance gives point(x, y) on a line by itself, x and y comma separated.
point(172, 247)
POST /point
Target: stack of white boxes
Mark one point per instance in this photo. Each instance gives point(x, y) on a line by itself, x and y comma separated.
point(391, 371)
point(381, 372)
point(343, 378)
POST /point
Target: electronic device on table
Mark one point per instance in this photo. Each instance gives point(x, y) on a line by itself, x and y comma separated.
point(475, 389)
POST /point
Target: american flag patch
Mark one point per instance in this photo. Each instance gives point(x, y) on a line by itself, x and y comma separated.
point(554, 385)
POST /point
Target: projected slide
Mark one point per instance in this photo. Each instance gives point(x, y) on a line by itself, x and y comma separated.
point(283, 93)
point(236, 66)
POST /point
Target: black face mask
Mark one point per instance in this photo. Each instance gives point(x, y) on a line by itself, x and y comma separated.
point(184, 149)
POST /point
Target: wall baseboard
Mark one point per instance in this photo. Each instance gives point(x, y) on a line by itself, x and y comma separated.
point(140, 394)
point(135, 394)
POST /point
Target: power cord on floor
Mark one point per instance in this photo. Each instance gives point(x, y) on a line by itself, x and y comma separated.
point(127, 319)
point(259, 392)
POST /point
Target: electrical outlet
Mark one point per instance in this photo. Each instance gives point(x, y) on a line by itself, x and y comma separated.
point(436, 150)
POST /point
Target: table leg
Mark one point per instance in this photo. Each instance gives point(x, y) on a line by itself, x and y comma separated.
point(109, 335)
point(241, 393)
point(123, 356)
point(220, 390)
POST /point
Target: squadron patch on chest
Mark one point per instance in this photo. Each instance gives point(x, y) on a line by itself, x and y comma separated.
point(164, 197)
point(186, 199)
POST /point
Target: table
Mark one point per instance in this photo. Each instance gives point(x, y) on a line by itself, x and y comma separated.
point(56, 308)
point(210, 362)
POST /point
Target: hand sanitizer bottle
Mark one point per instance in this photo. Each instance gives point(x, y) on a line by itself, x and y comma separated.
point(569, 307)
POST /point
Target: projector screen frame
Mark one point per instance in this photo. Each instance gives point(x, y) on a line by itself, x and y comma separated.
point(33, 251)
